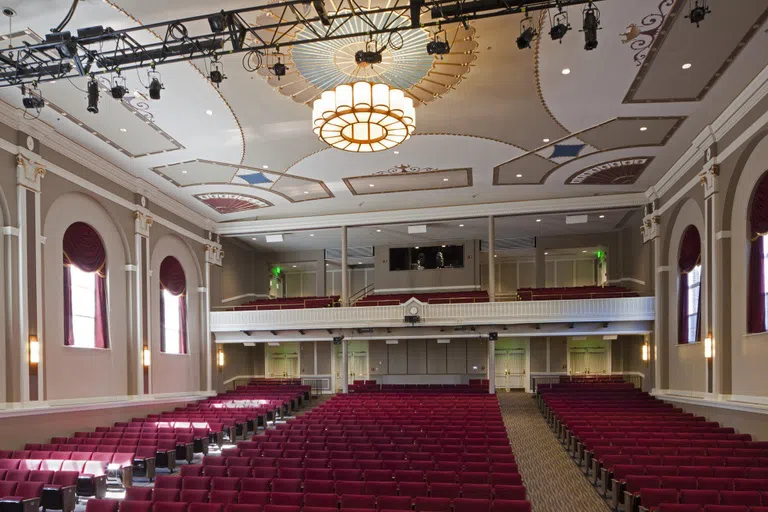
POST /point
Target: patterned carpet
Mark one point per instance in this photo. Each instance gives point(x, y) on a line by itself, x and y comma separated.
point(553, 481)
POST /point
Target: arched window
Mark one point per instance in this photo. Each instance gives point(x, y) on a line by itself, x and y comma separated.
point(757, 309)
point(173, 307)
point(85, 288)
point(689, 324)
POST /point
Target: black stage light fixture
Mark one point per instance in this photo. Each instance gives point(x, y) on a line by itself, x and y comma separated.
point(217, 23)
point(322, 13)
point(337, 340)
point(527, 34)
point(438, 48)
point(698, 12)
point(560, 26)
point(91, 32)
point(155, 85)
point(493, 336)
point(119, 90)
point(93, 96)
point(279, 69)
point(31, 99)
point(216, 76)
point(591, 26)
point(367, 57)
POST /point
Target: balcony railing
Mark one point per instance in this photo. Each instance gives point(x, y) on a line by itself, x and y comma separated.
point(630, 309)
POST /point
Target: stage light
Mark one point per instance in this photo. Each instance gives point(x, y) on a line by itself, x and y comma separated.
point(155, 86)
point(591, 26)
point(31, 98)
point(216, 76)
point(119, 89)
point(439, 44)
point(698, 12)
point(527, 34)
point(322, 13)
point(278, 68)
point(560, 26)
point(93, 96)
point(217, 23)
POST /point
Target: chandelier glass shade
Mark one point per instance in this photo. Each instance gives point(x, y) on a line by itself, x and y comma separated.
point(363, 117)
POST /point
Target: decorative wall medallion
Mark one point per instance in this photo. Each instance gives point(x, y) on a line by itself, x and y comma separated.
point(641, 37)
point(249, 177)
point(566, 150)
point(615, 172)
point(405, 169)
point(226, 202)
point(30, 143)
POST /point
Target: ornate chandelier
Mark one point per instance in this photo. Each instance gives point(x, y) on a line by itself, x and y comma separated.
point(363, 117)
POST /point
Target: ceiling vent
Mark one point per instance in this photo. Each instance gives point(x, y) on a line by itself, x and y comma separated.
point(506, 244)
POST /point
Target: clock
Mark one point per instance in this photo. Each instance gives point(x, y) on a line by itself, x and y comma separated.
point(413, 310)
point(30, 143)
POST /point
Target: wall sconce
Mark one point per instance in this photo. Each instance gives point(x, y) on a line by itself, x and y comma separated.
point(220, 358)
point(146, 357)
point(34, 350)
point(646, 352)
point(708, 346)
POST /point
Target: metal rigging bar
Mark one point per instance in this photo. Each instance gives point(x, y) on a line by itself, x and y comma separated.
point(98, 50)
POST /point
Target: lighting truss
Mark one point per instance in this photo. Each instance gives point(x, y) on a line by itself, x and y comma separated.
point(98, 50)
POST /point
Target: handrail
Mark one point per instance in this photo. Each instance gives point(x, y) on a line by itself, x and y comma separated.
point(361, 294)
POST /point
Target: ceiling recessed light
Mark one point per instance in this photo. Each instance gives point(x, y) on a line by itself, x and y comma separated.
point(183, 172)
point(461, 225)
point(378, 231)
point(209, 112)
point(254, 238)
point(52, 82)
point(416, 247)
point(538, 220)
point(566, 71)
point(294, 266)
point(495, 255)
point(545, 140)
point(546, 254)
point(445, 179)
point(327, 265)
point(359, 262)
point(643, 128)
point(371, 185)
point(123, 130)
point(519, 175)
point(687, 65)
point(443, 246)
point(602, 216)
point(585, 252)
point(265, 167)
point(306, 192)
point(397, 152)
point(311, 234)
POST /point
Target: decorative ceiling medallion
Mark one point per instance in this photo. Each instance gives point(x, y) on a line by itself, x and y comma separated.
point(363, 117)
point(615, 172)
point(321, 66)
point(404, 169)
point(226, 202)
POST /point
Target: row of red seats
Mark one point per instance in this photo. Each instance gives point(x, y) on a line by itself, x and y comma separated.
point(465, 297)
point(655, 497)
point(574, 293)
point(289, 303)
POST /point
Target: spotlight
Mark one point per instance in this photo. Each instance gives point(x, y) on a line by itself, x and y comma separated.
point(698, 12)
point(591, 26)
point(216, 76)
point(217, 23)
point(119, 90)
point(278, 68)
point(439, 45)
point(322, 13)
point(367, 57)
point(560, 26)
point(155, 85)
point(31, 98)
point(527, 34)
point(93, 96)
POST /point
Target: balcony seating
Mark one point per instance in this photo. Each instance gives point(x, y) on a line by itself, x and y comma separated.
point(575, 293)
point(644, 452)
point(380, 299)
point(289, 303)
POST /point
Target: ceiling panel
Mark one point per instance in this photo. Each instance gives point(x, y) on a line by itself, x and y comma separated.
point(412, 181)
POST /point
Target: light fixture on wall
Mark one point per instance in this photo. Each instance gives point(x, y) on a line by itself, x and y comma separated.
point(34, 350)
point(146, 357)
point(708, 346)
point(646, 352)
point(220, 358)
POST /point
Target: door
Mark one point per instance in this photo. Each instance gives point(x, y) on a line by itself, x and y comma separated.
point(358, 366)
point(510, 369)
point(284, 366)
point(585, 361)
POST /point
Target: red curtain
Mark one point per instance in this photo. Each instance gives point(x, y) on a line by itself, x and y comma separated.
point(84, 249)
point(758, 219)
point(173, 280)
point(690, 257)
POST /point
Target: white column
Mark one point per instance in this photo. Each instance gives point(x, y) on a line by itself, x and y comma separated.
point(142, 223)
point(23, 295)
point(344, 366)
point(491, 259)
point(709, 181)
point(138, 315)
point(491, 366)
point(39, 240)
point(651, 233)
point(344, 271)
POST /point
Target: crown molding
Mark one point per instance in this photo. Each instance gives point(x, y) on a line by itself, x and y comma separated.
point(66, 147)
point(571, 204)
point(714, 132)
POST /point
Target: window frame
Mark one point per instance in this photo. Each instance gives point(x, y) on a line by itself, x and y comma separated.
point(764, 270)
point(693, 311)
point(177, 331)
point(73, 272)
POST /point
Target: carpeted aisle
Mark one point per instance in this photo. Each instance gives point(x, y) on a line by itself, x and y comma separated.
point(553, 481)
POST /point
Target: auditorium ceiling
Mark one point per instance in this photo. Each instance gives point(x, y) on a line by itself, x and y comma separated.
point(493, 123)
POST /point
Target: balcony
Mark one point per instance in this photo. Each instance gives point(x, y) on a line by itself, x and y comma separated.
point(624, 309)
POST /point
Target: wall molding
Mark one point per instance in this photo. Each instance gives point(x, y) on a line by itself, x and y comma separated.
point(11, 231)
point(743, 403)
point(626, 280)
point(663, 268)
point(723, 234)
point(66, 147)
point(17, 409)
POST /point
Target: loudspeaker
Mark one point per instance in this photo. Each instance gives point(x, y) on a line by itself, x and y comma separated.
point(493, 336)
